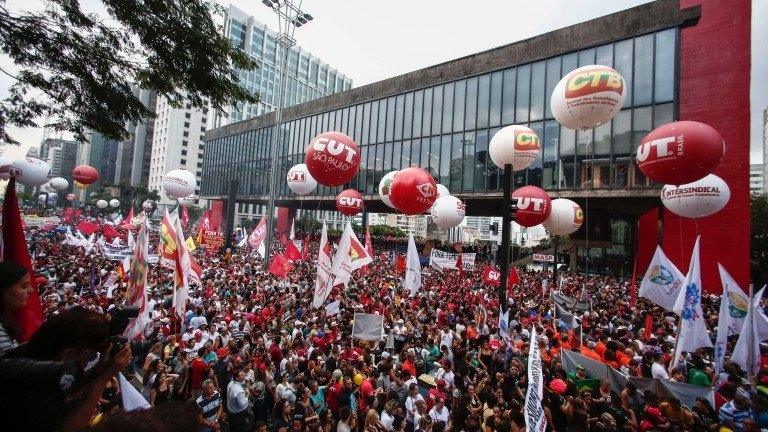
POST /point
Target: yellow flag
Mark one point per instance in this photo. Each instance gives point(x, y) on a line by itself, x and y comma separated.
point(191, 244)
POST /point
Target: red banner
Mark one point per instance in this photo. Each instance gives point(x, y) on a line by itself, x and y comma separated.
point(87, 227)
point(213, 241)
point(491, 276)
point(280, 266)
point(215, 215)
point(292, 253)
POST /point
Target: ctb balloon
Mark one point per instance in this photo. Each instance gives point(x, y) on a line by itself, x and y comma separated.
point(680, 152)
point(300, 181)
point(516, 145)
point(102, 204)
point(384, 186)
point(85, 174)
point(448, 211)
point(114, 203)
point(698, 199)
point(333, 158)
point(565, 217)
point(533, 206)
point(179, 183)
point(349, 202)
point(588, 97)
point(413, 191)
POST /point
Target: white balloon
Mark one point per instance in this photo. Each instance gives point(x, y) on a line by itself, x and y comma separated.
point(31, 171)
point(58, 183)
point(565, 218)
point(46, 187)
point(179, 183)
point(114, 203)
point(300, 181)
point(6, 162)
point(448, 211)
point(187, 201)
point(516, 145)
point(442, 191)
point(384, 185)
point(41, 198)
point(102, 204)
point(698, 199)
point(588, 97)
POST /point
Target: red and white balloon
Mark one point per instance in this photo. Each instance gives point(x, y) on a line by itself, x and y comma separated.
point(565, 218)
point(533, 206)
point(698, 199)
point(442, 191)
point(384, 186)
point(30, 171)
point(85, 174)
point(349, 202)
point(300, 181)
point(179, 183)
point(333, 158)
point(448, 211)
point(680, 152)
point(516, 145)
point(588, 97)
point(413, 191)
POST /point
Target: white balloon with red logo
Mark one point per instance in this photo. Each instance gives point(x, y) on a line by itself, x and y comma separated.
point(300, 181)
point(179, 183)
point(533, 206)
point(333, 158)
point(448, 211)
point(588, 97)
point(413, 191)
point(384, 186)
point(349, 202)
point(516, 145)
point(698, 199)
point(30, 171)
point(442, 191)
point(565, 217)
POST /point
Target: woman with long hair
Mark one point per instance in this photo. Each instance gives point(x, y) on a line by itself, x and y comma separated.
point(14, 291)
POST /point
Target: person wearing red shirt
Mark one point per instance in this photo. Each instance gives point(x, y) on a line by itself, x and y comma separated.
point(198, 368)
point(333, 392)
point(366, 391)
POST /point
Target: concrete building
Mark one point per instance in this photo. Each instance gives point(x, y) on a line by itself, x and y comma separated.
point(63, 156)
point(133, 154)
point(416, 225)
point(442, 117)
point(756, 179)
point(102, 155)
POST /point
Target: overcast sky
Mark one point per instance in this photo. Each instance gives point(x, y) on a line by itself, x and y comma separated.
point(374, 40)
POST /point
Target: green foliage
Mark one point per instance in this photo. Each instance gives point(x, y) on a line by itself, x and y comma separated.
point(137, 194)
point(759, 241)
point(247, 223)
point(549, 242)
point(308, 224)
point(77, 68)
point(386, 230)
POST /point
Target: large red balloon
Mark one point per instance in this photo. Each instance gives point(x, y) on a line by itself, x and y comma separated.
point(533, 206)
point(333, 158)
point(85, 174)
point(680, 152)
point(413, 191)
point(349, 202)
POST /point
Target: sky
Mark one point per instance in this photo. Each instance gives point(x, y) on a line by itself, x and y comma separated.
point(374, 40)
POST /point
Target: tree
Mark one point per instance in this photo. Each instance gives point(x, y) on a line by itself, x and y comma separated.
point(386, 230)
point(759, 241)
point(307, 224)
point(77, 68)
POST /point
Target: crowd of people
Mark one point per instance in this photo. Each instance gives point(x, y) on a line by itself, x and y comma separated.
point(250, 352)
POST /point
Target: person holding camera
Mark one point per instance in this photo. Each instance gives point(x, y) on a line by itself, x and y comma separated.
point(14, 291)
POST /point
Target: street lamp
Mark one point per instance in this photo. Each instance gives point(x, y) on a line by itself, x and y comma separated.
point(290, 16)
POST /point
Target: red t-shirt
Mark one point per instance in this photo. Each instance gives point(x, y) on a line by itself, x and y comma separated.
point(198, 367)
point(366, 389)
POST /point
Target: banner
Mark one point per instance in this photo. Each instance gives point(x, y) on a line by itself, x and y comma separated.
point(258, 235)
point(280, 266)
point(111, 252)
point(447, 260)
point(333, 308)
point(746, 353)
point(535, 420)
point(350, 256)
point(213, 241)
point(543, 258)
point(491, 276)
point(369, 327)
point(322, 288)
point(569, 303)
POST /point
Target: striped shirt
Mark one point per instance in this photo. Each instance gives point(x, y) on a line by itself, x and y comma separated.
point(7, 343)
point(730, 414)
point(210, 406)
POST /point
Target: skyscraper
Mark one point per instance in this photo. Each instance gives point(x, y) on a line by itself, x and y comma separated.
point(62, 155)
point(133, 153)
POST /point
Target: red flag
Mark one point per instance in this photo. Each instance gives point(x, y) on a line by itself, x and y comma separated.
point(30, 316)
point(633, 286)
point(368, 248)
point(491, 276)
point(110, 232)
point(126, 223)
point(69, 214)
point(460, 264)
point(280, 266)
point(648, 330)
point(513, 277)
point(305, 249)
point(400, 264)
point(291, 251)
point(87, 227)
point(184, 216)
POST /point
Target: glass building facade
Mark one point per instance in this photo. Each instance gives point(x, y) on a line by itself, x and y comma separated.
point(445, 128)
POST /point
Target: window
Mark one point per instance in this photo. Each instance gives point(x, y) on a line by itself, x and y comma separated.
point(508, 97)
point(400, 101)
point(643, 77)
point(622, 56)
point(537, 90)
point(202, 128)
point(186, 134)
point(437, 108)
point(426, 113)
point(390, 119)
point(553, 77)
point(183, 152)
point(664, 67)
point(449, 104)
point(184, 143)
point(470, 106)
point(186, 124)
point(187, 115)
point(483, 99)
point(523, 94)
point(408, 115)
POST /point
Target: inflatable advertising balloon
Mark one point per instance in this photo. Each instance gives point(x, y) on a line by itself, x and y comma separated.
point(42, 198)
point(533, 206)
point(58, 183)
point(80, 185)
point(413, 191)
point(85, 174)
point(186, 201)
point(448, 211)
point(349, 202)
point(384, 186)
point(114, 203)
point(680, 152)
point(102, 204)
point(565, 218)
point(179, 183)
point(149, 205)
point(588, 97)
point(698, 199)
point(333, 158)
point(442, 191)
point(515, 145)
point(300, 181)
point(31, 171)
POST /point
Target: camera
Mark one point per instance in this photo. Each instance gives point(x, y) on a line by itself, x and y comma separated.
point(120, 317)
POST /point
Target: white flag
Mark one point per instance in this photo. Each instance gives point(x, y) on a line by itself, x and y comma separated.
point(323, 270)
point(535, 420)
point(131, 241)
point(333, 308)
point(132, 399)
point(350, 256)
point(693, 330)
point(412, 268)
point(746, 353)
point(662, 281)
point(760, 318)
point(183, 269)
point(733, 309)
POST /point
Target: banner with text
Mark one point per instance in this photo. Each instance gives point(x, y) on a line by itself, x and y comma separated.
point(447, 260)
